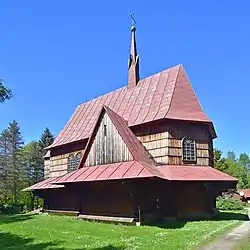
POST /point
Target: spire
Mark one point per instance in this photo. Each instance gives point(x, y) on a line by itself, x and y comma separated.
point(133, 63)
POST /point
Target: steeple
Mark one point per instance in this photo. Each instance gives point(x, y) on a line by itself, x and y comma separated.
point(133, 63)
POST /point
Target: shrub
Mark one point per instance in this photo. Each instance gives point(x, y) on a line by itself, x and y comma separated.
point(11, 209)
point(228, 203)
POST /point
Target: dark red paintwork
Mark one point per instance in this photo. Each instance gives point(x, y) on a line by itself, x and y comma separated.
point(45, 184)
point(193, 173)
point(123, 170)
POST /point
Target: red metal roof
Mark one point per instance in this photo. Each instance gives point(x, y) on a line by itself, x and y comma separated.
point(193, 173)
point(122, 170)
point(132, 170)
point(246, 192)
point(45, 184)
point(167, 94)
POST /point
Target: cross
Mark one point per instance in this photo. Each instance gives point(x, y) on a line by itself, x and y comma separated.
point(133, 19)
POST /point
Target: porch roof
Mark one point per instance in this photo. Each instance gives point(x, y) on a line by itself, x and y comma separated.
point(45, 184)
point(132, 170)
point(193, 173)
point(121, 170)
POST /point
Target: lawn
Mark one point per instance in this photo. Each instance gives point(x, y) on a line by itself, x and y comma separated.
point(37, 232)
point(244, 246)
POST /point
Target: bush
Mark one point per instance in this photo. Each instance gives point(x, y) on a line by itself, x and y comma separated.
point(229, 203)
point(11, 209)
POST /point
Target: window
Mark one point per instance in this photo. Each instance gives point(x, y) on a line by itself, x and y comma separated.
point(73, 161)
point(105, 130)
point(188, 150)
point(78, 158)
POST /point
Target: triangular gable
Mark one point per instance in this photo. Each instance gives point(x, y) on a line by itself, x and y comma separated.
point(120, 135)
point(185, 104)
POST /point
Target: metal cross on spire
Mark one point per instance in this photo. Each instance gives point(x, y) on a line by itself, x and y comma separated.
point(133, 19)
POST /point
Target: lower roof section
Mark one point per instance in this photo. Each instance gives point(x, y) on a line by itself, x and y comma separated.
point(193, 173)
point(45, 184)
point(132, 170)
point(245, 193)
point(121, 170)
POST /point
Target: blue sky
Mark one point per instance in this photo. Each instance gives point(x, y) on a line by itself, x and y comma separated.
point(57, 54)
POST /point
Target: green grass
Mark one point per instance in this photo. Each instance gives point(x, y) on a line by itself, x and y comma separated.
point(37, 232)
point(245, 245)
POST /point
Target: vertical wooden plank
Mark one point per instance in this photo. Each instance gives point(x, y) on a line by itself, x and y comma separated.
point(109, 148)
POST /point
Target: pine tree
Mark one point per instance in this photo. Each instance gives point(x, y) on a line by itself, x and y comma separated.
point(46, 140)
point(15, 142)
point(5, 184)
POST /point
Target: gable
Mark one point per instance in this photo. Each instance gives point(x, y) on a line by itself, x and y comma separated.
point(107, 146)
point(167, 94)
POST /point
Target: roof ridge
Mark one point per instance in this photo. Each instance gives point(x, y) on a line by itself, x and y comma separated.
point(138, 105)
point(125, 86)
point(169, 107)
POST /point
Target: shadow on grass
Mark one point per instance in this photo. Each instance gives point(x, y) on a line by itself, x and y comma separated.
point(109, 247)
point(221, 216)
point(231, 216)
point(15, 242)
point(171, 224)
point(11, 218)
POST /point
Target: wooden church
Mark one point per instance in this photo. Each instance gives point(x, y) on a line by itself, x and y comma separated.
point(139, 152)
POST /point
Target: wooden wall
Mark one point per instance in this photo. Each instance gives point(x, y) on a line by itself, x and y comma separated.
point(155, 197)
point(108, 146)
point(46, 168)
point(54, 199)
point(98, 200)
point(59, 164)
point(163, 141)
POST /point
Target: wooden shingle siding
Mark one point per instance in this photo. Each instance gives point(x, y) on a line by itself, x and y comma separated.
point(164, 142)
point(46, 168)
point(108, 146)
point(58, 165)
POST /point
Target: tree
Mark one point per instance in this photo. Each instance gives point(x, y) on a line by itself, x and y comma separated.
point(15, 142)
point(5, 184)
point(46, 140)
point(5, 93)
point(32, 162)
point(231, 155)
point(219, 161)
point(232, 166)
point(244, 160)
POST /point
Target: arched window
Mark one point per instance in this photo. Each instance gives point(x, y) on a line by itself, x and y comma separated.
point(71, 163)
point(188, 149)
point(78, 159)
